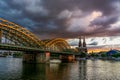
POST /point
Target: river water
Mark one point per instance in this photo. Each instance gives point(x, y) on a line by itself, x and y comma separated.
point(14, 69)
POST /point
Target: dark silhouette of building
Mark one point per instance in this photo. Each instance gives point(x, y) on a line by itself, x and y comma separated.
point(82, 48)
point(80, 43)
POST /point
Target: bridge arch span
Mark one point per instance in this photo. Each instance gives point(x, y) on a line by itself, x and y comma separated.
point(58, 44)
point(18, 35)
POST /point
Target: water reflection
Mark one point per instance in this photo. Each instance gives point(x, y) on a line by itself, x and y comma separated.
point(82, 70)
point(34, 72)
point(57, 72)
point(14, 69)
point(10, 68)
point(45, 71)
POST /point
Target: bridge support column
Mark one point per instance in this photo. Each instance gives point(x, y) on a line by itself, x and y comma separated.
point(34, 58)
point(68, 58)
point(47, 54)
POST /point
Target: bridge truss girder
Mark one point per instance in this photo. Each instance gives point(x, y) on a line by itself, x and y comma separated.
point(19, 36)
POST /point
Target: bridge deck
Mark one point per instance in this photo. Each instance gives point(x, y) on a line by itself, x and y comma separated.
point(29, 49)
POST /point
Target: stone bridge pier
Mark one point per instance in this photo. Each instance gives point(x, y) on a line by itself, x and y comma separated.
point(67, 57)
point(36, 57)
point(44, 57)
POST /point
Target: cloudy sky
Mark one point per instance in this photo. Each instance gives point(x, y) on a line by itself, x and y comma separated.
point(65, 18)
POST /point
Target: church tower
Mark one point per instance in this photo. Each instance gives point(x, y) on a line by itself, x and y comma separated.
point(82, 45)
point(84, 42)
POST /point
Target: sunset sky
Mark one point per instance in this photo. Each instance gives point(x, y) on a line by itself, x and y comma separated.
point(98, 20)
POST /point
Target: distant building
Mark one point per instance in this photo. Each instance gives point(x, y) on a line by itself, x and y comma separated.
point(82, 48)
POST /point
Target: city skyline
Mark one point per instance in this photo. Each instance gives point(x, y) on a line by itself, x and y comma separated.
point(59, 39)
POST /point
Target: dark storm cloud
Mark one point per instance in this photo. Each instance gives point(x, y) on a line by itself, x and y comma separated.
point(62, 18)
point(86, 5)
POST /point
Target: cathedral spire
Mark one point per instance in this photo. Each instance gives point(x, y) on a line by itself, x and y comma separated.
point(84, 42)
point(82, 48)
point(80, 43)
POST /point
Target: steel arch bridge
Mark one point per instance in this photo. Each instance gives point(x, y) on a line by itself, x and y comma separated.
point(13, 36)
point(57, 44)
